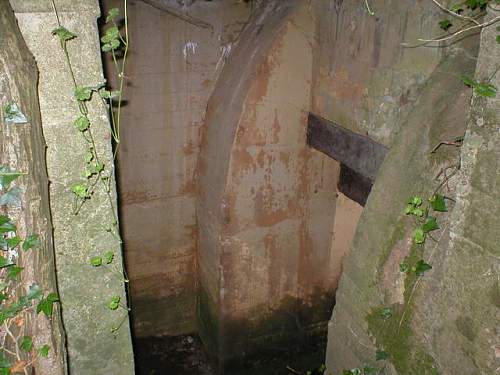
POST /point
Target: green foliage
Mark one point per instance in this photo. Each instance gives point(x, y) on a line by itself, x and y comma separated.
point(83, 94)
point(381, 355)
point(46, 305)
point(386, 313)
point(112, 14)
point(31, 242)
point(96, 261)
point(82, 123)
point(63, 34)
point(44, 351)
point(438, 203)
point(421, 268)
point(484, 89)
point(80, 190)
point(27, 343)
point(111, 39)
point(114, 302)
point(445, 24)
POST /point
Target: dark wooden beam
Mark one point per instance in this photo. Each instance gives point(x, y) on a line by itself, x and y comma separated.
point(359, 153)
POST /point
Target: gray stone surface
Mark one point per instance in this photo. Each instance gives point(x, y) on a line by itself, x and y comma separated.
point(84, 290)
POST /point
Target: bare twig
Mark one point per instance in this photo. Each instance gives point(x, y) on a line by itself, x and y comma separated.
point(367, 5)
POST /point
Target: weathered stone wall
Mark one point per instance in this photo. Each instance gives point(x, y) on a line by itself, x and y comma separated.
point(22, 148)
point(172, 69)
point(84, 291)
point(445, 321)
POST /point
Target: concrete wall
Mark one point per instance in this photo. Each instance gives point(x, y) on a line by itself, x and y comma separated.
point(22, 148)
point(84, 291)
point(266, 201)
point(172, 69)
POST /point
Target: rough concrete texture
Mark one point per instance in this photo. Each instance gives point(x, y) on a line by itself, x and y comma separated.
point(363, 79)
point(84, 291)
point(266, 201)
point(172, 68)
point(22, 148)
point(445, 322)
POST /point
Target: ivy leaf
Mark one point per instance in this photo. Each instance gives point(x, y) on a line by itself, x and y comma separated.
point(27, 344)
point(445, 24)
point(422, 267)
point(430, 225)
point(31, 242)
point(114, 302)
point(14, 271)
point(468, 80)
point(80, 190)
point(457, 8)
point(6, 226)
point(13, 241)
point(82, 123)
point(64, 34)
point(4, 262)
point(108, 257)
point(486, 90)
point(112, 14)
point(419, 236)
point(44, 351)
point(96, 261)
point(11, 197)
point(83, 93)
point(438, 203)
point(13, 115)
point(46, 305)
point(498, 39)
point(110, 34)
point(105, 94)
point(7, 175)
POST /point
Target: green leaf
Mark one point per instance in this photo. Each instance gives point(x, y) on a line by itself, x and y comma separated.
point(112, 14)
point(4, 363)
point(96, 261)
point(416, 201)
point(404, 267)
point(386, 313)
point(422, 267)
point(498, 38)
point(110, 34)
point(108, 257)
point(445, 24)
point(7, 175)
point(468, 80)
point(13, 241)
point(13, 115)
point(367, 370)
point(486, 90)
point(44, 351)
point(457, 8)
point(46, 305)
point(419, 236)
point(4, 262)
point(114, 302)
point(83, 93)
point(31, 242)
point(14, 271)
point(27, 343)
point(80, 190)
point(430, 225)
point(474, 4)
point(438, 203)
point(82, 123)
point(63, 34)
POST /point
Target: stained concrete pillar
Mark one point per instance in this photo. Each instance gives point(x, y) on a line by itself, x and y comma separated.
point(266, 201)
point(84, 290)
